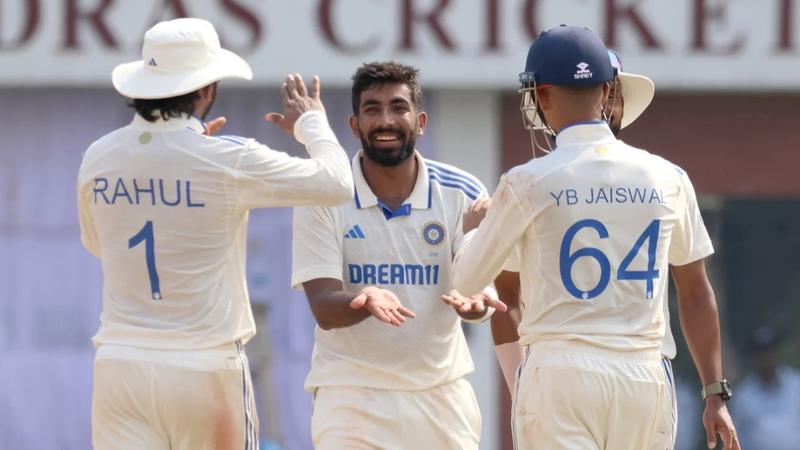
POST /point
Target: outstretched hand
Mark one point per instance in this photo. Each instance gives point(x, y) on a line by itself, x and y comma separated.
point(472, 307)
point(296, 101)
point(382, 304)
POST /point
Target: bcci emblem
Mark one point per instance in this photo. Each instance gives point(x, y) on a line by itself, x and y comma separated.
point(433, 233)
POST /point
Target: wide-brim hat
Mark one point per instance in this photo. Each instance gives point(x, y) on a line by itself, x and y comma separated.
point(178, 56)
point(638, 92)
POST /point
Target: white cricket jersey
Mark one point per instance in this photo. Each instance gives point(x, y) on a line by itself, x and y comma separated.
point(598, 223)
point(668, 347)
point(408, 251)
point(165, 209)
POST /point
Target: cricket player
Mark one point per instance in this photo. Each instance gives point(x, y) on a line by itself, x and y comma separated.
point(628, 99)
point(598, 224)
point(390, 357)
point(164, 207)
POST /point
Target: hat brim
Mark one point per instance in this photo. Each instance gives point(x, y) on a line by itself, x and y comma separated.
point(136, 80)
point(637, 92)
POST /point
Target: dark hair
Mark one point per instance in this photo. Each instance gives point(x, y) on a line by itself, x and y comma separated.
point(166, 108)
point(378, 73)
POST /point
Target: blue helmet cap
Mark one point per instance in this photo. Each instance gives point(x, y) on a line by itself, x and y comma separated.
point(569, 56)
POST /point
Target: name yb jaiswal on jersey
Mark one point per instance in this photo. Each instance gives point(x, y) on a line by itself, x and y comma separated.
point(609, 195)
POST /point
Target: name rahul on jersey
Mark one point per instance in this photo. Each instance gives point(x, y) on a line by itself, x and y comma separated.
point(148, 191)
point(608, 195)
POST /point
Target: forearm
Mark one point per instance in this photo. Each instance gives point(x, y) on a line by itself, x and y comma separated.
point(334, 175)
point(470, 269)
point(486, 249)
point(506, 345)
point(504, 326)
point(700, 324)
point(332, 310)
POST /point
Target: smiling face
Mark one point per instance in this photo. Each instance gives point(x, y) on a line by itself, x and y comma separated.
point(388, 123)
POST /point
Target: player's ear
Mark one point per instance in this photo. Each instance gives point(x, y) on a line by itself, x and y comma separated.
point(544, 98)
point(207, 92)
point(607, 89)
point(422, 120)
point(353, 122)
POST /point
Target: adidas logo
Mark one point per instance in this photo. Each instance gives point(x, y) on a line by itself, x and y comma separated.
point(355, 233)
point(152, 62)
point(583, 71)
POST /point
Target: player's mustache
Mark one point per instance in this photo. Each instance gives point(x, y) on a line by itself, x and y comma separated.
point(398, 131)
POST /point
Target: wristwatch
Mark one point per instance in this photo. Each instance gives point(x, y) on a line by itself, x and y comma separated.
point(721, 388)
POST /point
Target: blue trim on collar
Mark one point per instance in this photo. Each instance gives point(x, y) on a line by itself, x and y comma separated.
point(355, 191)
point(453, 175)
point(403, 210)
point(232, 138)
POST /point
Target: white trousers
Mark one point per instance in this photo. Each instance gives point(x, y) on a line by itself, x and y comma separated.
point(173, 400)
point(572, 396)
point(445, 417)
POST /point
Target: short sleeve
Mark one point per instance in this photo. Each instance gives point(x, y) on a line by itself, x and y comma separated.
point(316, 245)
point(689, 241)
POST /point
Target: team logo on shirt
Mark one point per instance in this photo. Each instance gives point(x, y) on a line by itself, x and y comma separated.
point(433, 233)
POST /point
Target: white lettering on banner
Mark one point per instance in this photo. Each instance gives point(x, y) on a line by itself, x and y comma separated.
point(457, 43)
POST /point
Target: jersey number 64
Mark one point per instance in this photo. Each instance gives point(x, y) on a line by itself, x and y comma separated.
point(566, 260)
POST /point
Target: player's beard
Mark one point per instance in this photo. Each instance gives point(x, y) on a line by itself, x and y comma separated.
point(615, 127)
point(389, 156)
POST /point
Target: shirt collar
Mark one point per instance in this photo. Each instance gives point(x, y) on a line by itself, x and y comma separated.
point(419, 198)
point(585, 132)
point(175, 123)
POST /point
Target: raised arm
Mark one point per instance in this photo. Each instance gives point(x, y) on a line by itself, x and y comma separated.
point(271, 178)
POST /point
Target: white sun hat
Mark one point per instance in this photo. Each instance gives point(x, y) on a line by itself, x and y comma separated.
point(178, 56)
point(637, 91)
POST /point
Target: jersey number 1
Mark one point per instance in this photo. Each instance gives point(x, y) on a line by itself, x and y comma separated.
point(146, 235)
point(567, 259)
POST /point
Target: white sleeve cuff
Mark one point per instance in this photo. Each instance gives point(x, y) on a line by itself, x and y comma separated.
point(312, 126)
point(490, 292)
point(483, 318)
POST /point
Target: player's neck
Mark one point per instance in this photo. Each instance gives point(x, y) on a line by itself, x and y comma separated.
point(391, 184)
point(567, 121)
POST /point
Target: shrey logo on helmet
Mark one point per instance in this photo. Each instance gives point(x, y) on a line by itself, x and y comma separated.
point(583, 71)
